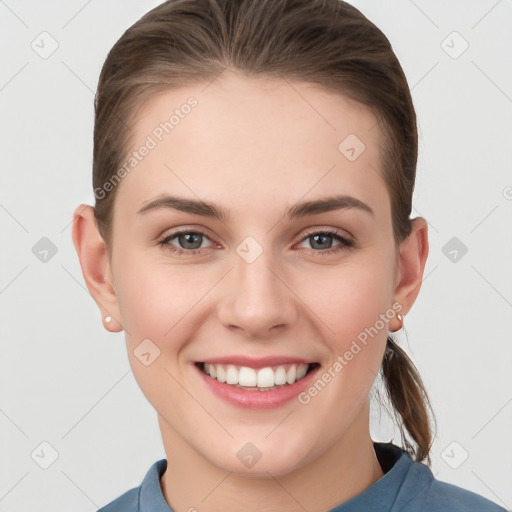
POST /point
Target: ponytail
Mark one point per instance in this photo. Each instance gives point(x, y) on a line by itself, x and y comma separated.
point(410, 401)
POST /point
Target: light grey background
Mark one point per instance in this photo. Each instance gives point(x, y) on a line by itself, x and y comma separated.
point(66, 381)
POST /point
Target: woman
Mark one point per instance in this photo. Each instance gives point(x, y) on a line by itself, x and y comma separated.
point(254, 164)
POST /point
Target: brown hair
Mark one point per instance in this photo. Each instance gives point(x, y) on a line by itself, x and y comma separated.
point(324, 42)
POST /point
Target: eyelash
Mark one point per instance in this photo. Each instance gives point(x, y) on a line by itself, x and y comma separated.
point(345, 243)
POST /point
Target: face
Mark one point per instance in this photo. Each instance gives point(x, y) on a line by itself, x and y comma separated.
point(265, 285)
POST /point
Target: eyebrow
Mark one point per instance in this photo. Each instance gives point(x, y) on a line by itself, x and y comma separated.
point(207, 209)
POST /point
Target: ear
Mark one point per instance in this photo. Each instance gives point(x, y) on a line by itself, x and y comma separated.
point(95, 264)
point(412, 259)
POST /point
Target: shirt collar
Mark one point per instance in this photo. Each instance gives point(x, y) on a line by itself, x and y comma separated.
point(151, 498)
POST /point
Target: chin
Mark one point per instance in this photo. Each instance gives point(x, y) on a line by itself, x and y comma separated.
point(263, 458)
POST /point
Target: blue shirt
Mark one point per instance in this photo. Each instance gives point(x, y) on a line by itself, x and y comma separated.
point(406, 486)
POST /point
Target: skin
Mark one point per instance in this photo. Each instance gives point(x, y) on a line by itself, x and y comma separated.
point(255, 147)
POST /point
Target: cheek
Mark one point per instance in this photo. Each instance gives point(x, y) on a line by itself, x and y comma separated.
point(352, 304)
point(161, 307)
point(153, 297)
point(349, 299)
point(154, 303)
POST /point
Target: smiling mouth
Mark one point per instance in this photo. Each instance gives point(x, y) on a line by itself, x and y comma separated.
point(262, 379)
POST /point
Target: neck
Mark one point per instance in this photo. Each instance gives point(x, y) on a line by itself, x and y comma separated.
point(345, 470)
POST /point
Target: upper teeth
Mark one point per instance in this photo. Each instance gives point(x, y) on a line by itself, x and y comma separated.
point(262, 378)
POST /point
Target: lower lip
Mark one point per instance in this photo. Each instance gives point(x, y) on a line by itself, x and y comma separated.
point(254, 399)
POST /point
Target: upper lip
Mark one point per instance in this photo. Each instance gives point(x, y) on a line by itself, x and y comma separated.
point(261, 362)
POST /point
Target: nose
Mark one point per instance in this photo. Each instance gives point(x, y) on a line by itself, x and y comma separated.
point(257, 299)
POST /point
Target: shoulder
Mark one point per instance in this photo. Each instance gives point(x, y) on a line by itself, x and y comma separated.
point(421, 491)
point(127, 502)
point(452, 497)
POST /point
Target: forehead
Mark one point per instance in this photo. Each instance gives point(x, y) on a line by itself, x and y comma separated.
point(238, 139)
